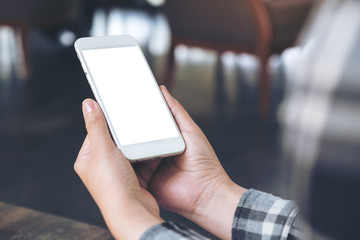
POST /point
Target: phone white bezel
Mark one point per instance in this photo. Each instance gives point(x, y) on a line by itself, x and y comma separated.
point(139, 151)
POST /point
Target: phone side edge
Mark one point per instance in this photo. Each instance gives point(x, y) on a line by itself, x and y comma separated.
point(94, 90)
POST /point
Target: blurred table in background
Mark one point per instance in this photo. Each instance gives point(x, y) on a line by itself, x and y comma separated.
point(25, 224)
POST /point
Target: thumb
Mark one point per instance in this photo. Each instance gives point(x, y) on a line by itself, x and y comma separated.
point(96, 125)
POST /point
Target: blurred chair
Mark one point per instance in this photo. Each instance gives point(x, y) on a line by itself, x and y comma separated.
point(21, 15)
point(241, 26)
point(287, 18)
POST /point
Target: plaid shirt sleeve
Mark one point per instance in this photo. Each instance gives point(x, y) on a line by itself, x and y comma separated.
point(263, 216)
point(258, 216)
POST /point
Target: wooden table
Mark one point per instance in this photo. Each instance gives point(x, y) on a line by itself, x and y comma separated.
point(17, 223)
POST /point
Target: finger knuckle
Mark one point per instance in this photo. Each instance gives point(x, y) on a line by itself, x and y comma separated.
point(92, 121)
point(78, 166)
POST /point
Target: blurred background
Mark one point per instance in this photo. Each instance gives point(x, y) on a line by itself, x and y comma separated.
point(228, 62)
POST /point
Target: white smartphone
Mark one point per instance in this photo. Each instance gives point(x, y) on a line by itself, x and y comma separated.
point(138, 117)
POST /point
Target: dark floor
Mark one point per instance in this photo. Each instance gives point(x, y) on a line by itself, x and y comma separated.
point(41, 131)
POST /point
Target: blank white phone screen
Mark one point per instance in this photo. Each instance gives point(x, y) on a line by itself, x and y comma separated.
point(130, 95)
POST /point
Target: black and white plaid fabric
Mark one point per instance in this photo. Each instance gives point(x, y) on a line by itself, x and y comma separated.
point(263, 216)
point(258, 216)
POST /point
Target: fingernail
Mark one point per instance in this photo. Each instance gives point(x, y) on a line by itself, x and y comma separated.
point(88, 106)
point(163, 86)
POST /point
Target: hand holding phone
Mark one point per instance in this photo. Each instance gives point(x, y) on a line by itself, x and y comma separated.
point(138, 117)
point(192, 184)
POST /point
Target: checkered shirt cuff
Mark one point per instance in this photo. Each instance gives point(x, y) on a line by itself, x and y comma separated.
point(263, 216)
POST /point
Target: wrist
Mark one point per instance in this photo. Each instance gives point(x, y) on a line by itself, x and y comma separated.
point(131, 222)
point(215, 212)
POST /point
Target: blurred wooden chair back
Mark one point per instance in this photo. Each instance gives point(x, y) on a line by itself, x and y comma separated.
point(287, 18)
point(241, 26)
point(221, 25)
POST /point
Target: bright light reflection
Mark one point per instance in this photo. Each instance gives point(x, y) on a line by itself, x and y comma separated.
point(249, 65)
point(67, 38)
point(6, 59)
point(99, 23)
point(116, 24)
point(228, 60)
point(138, 25)
point(159, 36)
point(156, 3)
